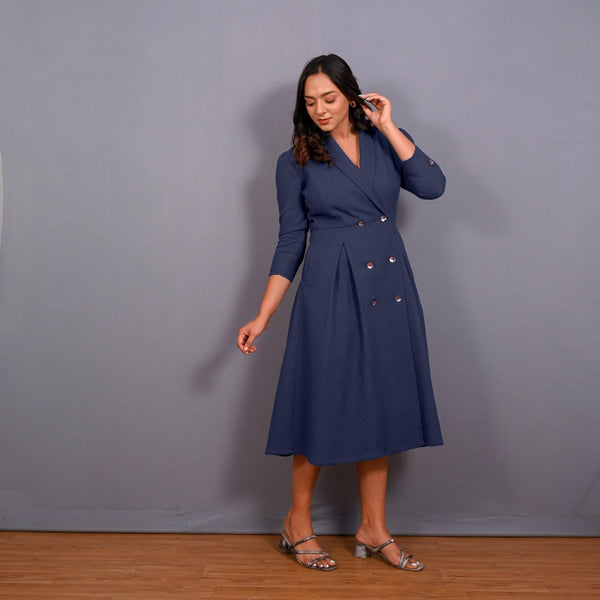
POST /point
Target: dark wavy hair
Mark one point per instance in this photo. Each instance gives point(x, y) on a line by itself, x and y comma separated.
point(309, 139)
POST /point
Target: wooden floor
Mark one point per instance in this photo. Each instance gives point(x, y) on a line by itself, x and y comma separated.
point(117, 566)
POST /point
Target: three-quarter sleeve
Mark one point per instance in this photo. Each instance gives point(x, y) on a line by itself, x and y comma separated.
point(293, 223)
point(420, 174)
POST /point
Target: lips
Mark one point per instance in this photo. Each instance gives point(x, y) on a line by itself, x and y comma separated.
point(324, 121)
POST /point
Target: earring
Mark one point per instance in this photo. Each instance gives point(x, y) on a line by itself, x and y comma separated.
point(353, 104)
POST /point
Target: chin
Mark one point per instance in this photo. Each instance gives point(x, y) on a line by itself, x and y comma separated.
point(327, 128)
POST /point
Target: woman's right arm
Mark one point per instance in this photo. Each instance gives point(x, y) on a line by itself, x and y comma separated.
point(276, 288)
point(289, 253)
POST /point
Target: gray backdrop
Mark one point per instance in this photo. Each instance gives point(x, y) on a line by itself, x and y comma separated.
point(139, 140)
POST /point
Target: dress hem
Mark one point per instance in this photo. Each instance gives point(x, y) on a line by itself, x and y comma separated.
point(338, 461)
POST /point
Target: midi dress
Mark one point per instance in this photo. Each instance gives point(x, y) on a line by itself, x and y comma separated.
point(355, 380)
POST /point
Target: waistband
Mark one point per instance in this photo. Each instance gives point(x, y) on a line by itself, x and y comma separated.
point(360, 224)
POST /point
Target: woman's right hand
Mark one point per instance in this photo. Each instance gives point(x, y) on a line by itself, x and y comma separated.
point(276, 288)
point(248, 333)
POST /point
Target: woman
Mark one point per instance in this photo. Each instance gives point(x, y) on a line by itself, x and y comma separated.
point(355, 383)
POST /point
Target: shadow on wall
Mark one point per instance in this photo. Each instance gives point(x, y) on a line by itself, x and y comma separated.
point(251, 473)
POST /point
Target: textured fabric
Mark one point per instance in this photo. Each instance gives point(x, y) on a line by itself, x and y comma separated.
point(355, 381)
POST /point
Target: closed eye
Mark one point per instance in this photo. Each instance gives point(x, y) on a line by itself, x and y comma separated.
point(326, 102)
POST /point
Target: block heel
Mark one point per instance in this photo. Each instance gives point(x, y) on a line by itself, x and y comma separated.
point(284, 545)
point(361, 550)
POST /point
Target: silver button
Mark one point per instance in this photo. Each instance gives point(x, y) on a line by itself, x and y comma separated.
point(430, 162)
point(361, 223)
point(383, 218)
point(392, 259)
point(370, 265)
point(398, 298)
point(373, 302)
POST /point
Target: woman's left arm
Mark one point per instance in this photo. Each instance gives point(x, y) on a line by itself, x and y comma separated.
point(420, 175)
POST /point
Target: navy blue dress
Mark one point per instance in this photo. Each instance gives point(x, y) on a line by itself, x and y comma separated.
point(355, 381)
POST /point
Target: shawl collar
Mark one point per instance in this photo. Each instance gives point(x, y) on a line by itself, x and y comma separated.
point(360, 177)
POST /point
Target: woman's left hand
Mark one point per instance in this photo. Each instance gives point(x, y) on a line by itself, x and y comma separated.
point(382, 117)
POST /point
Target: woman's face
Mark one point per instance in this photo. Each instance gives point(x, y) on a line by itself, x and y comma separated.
point(325, 104)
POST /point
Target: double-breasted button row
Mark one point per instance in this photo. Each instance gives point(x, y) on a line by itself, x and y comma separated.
point(370, 264)
point(362, 223)
point(396, 298)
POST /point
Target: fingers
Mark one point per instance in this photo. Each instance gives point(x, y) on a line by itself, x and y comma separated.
point(248, 346)
point(245, 340)
point(382, 116)
point(376, 99)
point(381, 103)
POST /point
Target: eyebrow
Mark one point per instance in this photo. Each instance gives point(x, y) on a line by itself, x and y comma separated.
point(325, 94)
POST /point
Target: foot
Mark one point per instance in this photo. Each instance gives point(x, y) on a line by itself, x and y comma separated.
point(392, 552)
point(295, 529)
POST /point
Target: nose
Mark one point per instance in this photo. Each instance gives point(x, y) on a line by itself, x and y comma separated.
point(320, 108)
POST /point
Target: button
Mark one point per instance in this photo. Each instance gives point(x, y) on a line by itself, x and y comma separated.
point(398, 298)
point(392, 259)
point(383, 218)
point(370, 265)
point(373, 302)
point(361, 223)
point(430, 162)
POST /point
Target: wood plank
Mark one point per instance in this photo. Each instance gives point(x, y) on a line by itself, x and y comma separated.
point(121, 566)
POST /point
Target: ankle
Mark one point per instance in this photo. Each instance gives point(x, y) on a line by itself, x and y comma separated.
point(372, 532)
point(298, 519)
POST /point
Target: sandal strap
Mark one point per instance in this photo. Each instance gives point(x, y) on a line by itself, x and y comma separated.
point(310, 537)
point(310, 563)
point(404, 560)
point(310, 552)
point(387, 543)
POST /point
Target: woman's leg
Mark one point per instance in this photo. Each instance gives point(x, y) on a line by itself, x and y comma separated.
point(298, 522)
point(372, 481)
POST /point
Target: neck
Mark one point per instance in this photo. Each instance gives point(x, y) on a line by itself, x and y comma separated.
point(344, 132)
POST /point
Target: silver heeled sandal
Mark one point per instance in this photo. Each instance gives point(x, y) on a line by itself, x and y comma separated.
point(364, 551)
point(288, 548)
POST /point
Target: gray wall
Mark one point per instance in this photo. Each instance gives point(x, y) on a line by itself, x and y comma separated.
point(138, 142)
